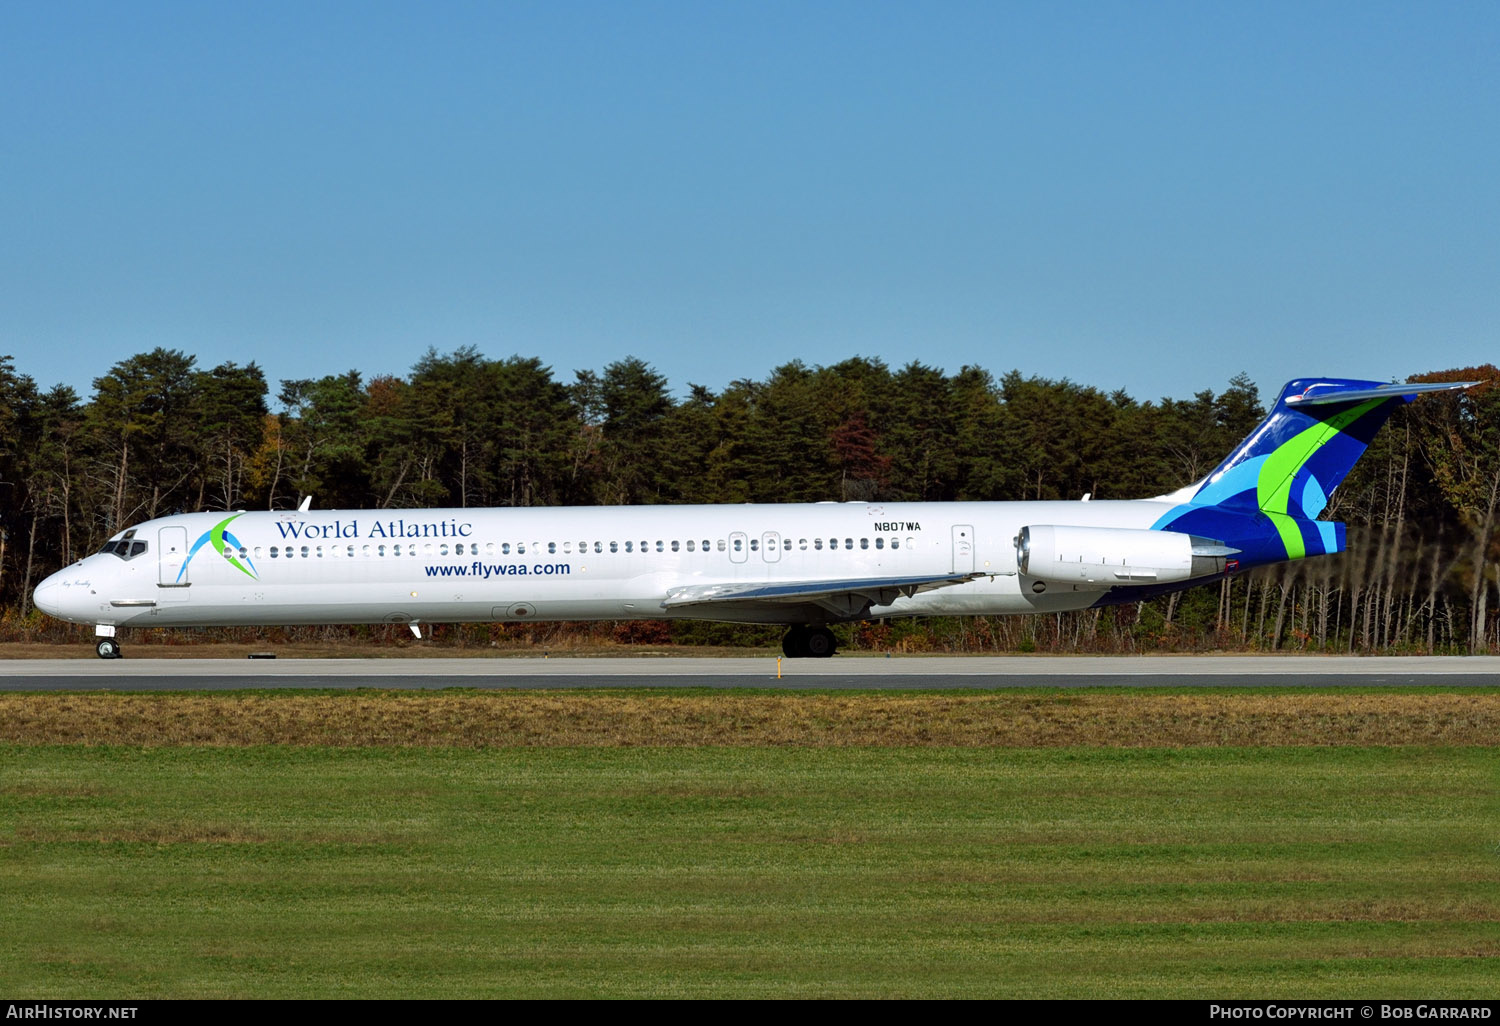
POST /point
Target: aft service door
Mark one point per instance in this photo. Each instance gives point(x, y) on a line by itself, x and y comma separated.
point(963, 548)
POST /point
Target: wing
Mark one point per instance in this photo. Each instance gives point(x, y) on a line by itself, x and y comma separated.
point(844, 598)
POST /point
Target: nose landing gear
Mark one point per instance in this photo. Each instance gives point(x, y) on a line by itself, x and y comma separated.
point(802, 642)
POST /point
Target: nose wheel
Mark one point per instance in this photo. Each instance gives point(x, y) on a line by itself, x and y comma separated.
point(108, 648)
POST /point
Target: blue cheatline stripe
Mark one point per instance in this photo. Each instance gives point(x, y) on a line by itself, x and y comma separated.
point(230, 539)
point(1329, 532)
point(1236, 479)
point(191, 553)
point(1312, 498)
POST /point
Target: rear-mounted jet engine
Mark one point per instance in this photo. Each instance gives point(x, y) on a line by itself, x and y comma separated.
point(1116, 556)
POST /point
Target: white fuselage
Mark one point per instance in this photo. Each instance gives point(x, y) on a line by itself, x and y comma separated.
point(578, 563)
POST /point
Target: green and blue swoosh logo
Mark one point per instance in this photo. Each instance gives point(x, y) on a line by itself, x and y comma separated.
point(226, 545)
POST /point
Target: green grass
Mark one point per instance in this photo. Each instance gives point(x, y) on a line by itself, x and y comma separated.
point(665, 872)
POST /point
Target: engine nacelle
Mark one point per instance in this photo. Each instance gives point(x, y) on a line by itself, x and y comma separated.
point(1115, 556)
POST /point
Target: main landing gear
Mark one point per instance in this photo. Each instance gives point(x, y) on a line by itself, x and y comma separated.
point(802, 641)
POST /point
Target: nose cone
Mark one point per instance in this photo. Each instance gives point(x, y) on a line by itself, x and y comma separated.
point(62, 596)
point(48, 595)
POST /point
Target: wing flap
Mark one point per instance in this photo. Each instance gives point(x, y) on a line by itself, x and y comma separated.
point(834, 595)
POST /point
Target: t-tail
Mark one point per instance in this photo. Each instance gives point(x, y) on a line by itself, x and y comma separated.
point(1264, 499)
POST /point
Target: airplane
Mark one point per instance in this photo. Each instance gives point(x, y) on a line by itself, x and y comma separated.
point(803, 565)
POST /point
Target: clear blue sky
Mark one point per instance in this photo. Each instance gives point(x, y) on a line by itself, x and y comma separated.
point(1149, 196)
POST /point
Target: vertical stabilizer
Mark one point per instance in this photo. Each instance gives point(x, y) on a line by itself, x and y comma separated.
point(1285, 471)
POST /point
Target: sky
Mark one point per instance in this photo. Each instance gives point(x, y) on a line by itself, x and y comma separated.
point(1149, 196)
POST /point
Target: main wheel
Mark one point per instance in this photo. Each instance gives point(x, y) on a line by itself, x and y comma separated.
point(794, 645)
point(108, 648)
point(820, 643)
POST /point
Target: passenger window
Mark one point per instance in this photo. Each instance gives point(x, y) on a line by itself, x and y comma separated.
point(599, 546)
point(754, 544)
point(630, 546)
point(380, 551)
point(489, 548)
point(848, 543)
point(864, 543)
point(818, 544)
point(658, 545)
point(365, 552)
point(895, 543)
point(614, 546)
point(706, 546)
point(395, 550)
point(273, 552)
point(257, 552)
point(520, 548)
point(568, 548)
point(690, 545)
point(350, 552)
point(738, 544)
point(802, 545)
point(243, 553)
point(458, 548)
point(674, 546)
point(721, 546)
point(880, 543)
point(552, 548)
point(318, 551)
point(505, 548)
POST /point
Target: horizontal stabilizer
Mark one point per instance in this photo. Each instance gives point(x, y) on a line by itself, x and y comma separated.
point(1316, 395)
point(878, 590)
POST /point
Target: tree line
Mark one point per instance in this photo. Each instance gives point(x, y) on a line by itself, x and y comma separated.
point(161, 435)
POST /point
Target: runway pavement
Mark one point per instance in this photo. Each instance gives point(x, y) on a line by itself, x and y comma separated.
point(841, 672)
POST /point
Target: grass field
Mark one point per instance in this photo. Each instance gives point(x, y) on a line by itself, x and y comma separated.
point(286, 865)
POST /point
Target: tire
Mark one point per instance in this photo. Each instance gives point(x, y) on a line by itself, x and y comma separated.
point(820, 643)
point(794, 644)
point(108, 648)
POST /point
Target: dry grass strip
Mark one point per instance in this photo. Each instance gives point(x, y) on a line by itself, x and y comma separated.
point(540, 719)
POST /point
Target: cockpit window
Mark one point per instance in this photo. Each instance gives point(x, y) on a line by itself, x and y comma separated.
point(124, 548)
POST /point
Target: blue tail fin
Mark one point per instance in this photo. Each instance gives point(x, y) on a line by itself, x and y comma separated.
point(1287, 468)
